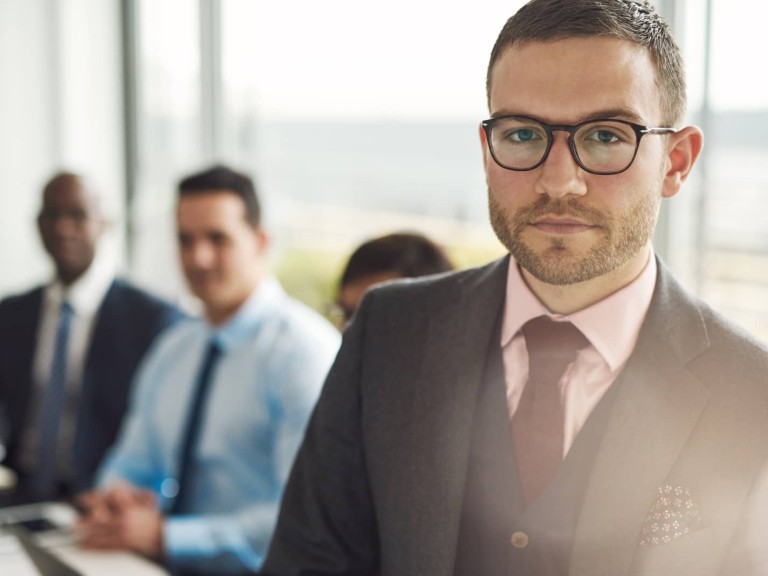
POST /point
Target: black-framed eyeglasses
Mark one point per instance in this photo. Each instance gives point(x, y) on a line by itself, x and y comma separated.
point(603, 146)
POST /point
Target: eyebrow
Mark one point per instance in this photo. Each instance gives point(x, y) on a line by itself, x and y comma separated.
point(621, 113)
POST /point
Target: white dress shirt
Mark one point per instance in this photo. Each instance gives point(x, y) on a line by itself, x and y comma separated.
point(85, 296)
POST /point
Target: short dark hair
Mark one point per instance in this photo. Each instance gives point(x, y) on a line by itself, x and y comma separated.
point(633, 20)
point(407, 254)
point(221, 178)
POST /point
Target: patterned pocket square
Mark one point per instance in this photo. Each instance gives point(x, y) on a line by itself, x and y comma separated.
point(673, 515)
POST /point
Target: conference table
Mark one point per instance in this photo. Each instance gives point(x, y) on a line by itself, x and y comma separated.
point(51, 525)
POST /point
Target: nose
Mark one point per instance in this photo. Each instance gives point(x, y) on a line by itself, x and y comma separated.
point(63, 225)
point(560, 175)
point(200, 255)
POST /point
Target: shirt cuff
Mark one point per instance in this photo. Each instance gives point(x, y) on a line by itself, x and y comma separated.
point(197, 540)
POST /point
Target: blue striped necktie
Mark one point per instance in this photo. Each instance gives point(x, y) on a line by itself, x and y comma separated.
point(45, 481)
point(192, 428)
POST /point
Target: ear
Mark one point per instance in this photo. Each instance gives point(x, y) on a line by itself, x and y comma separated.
point(683, 149)
point(483, 142)
point(262, 240)
point(103, 224)
point(486, 151)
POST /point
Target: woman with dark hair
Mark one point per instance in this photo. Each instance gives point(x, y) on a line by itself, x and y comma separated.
point(398, 255)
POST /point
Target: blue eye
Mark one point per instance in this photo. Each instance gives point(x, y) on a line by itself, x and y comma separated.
point(605, 137)
point(518, 132)
point(523, 135)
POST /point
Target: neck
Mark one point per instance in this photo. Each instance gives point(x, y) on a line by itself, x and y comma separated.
point(218, 314)
point(571, 298)
point(68, 277)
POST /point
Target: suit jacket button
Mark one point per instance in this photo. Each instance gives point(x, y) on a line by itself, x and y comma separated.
point(519, 540)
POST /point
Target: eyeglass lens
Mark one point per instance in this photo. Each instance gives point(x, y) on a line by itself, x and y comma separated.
point(601, 146)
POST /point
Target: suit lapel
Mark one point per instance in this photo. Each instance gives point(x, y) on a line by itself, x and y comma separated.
point(656, 409)
point(103, 337)
point(452, 370)
point(100, 351)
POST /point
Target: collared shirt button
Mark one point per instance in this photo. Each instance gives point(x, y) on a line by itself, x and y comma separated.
point(519, 539)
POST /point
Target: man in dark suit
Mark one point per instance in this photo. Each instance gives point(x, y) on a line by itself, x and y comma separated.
point(569, 409)
point(68, 351)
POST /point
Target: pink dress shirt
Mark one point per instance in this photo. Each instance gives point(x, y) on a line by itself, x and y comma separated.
point(611, 326)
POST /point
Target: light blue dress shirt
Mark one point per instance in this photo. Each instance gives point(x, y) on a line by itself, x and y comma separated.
point(276, 353)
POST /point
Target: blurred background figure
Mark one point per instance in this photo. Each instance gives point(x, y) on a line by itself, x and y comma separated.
point(221, 403)
point(398, 255)
point(68, 350)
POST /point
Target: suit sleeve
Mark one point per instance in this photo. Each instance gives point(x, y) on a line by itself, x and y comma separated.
point(327, 524)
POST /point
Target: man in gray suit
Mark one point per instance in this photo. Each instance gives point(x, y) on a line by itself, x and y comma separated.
point(569, 409)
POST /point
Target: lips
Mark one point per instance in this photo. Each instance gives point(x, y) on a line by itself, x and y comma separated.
point(64, 246)
point(560, 225)
point(199, 279)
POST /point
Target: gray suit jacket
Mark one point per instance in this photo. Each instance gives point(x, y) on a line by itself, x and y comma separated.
point(377, 487)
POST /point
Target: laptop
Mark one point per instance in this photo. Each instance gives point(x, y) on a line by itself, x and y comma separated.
point(46, 562)
point(33, 528)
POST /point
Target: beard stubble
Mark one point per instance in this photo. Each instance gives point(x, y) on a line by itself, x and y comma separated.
point(559, 263)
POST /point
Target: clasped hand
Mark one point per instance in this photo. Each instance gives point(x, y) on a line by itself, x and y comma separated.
point(123, 517)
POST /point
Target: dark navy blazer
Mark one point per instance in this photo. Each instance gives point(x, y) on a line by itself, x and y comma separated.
point(127, 322)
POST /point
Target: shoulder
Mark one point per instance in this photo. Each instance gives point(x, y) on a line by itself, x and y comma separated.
point(176, 344)
point(735, 349)
point(30, 297)
point(141, 304)
point(295, 347)
point(721, 354)
point(693, 329)
point(297, 325)
point(122, 290)
point(180, 337)
point(21, 306)
point(416, 299)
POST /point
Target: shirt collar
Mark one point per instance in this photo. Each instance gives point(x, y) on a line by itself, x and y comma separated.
point(86, 293)
point(611, 325)
point(249, 317)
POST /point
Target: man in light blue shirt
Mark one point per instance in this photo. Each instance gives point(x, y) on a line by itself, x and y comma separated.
point(197, 474)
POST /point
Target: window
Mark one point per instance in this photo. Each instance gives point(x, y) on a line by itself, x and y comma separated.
point(358, 119)
point(730, 246)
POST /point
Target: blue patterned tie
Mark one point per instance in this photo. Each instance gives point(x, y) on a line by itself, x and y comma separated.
point(45, 480)
point(192, 429)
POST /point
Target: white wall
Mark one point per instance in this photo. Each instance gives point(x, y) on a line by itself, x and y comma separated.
point(60, 108)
